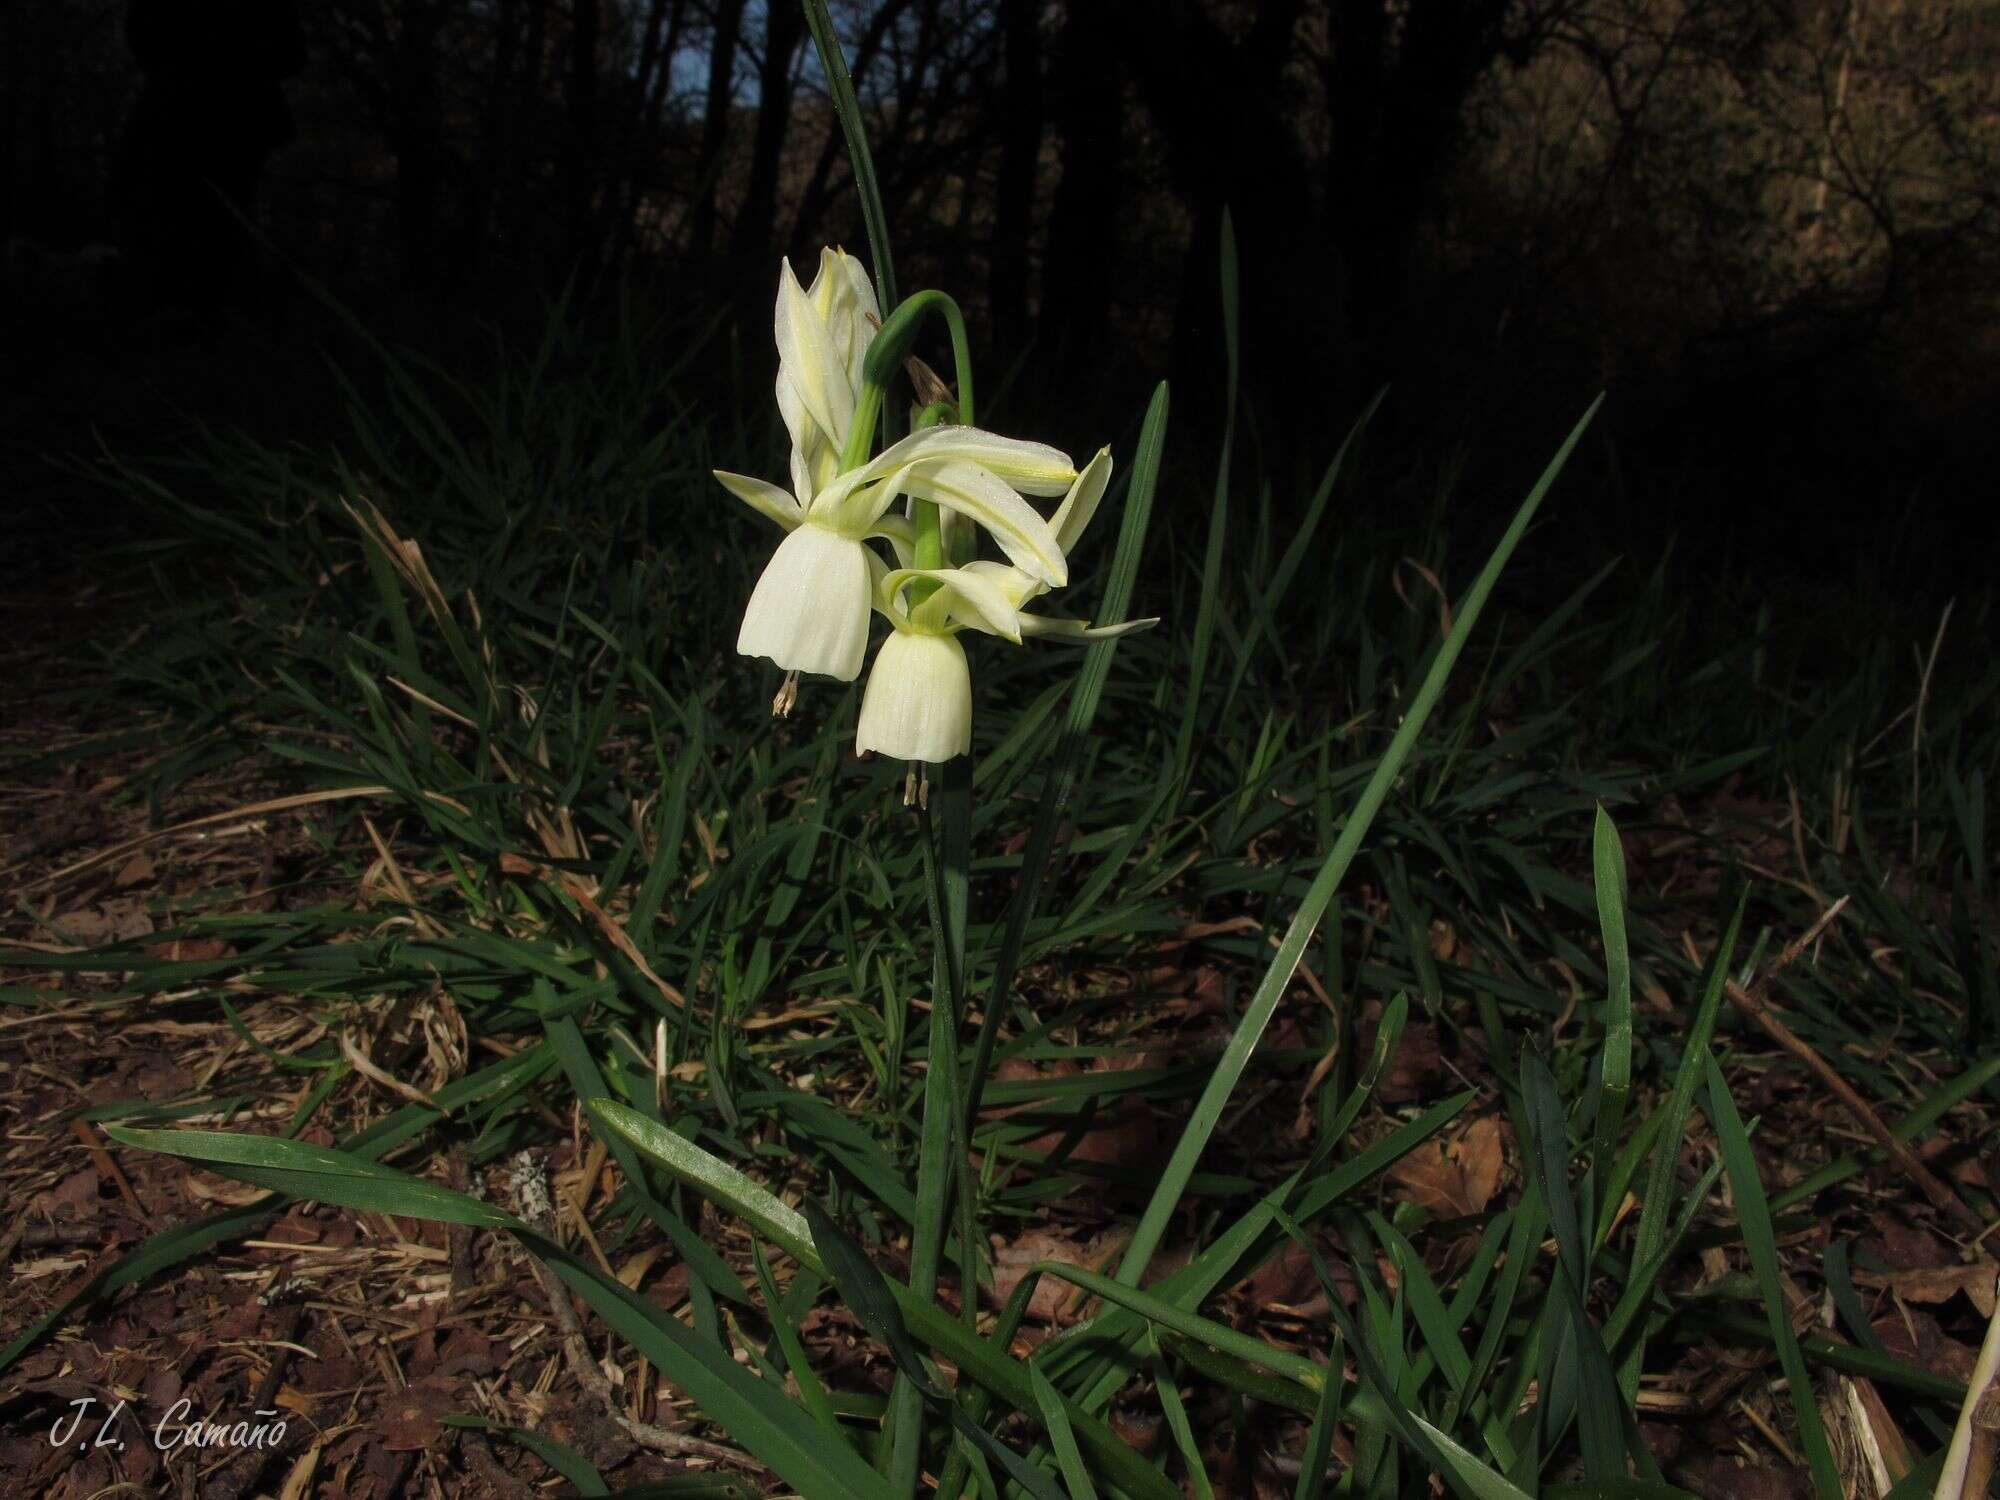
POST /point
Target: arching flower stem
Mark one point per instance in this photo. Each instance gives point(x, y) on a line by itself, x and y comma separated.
point(885, 357)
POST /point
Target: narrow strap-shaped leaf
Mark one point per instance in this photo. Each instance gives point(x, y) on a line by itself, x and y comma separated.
point(868, 1296)
point(1263, 1004)
point(564, 1459)
point(975, 1358)
point(1062, 1438)
point(1082, 714)
point(1753, 1213)
point(1608, 858)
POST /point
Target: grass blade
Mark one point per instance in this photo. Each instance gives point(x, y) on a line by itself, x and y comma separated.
point(1264, 1003)
point(1753, 1213)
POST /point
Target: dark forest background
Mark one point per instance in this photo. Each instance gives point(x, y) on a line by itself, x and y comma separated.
point(1771, 228)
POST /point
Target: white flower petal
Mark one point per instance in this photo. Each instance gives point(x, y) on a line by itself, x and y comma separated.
point(1031, 468)
point(1079, 632)
point(918, 702)
point(1019, 587)
point(810, 609)
point(962, 597)
point(763, 497)
point(808, 361)
point(1080, 504)
point(979, 495)
point(854, 314)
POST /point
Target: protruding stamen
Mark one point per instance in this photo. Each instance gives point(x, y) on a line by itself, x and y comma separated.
point(924, 789)
point(788, 694)
point(910, 787)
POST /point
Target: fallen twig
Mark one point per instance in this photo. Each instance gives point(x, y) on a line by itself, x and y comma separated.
point(533, 1203)
point(1755, 1003)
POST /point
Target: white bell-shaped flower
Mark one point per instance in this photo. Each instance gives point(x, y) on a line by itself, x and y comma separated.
point(809, 611)
point(918, 702)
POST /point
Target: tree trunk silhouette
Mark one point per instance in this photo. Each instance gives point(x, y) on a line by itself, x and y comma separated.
point(652, 81)
point(750, 242)
point(580, 139)
point(1081, 267)
point(1223, 110)
point(819, 189)
point(1397, 109)
point(1020, 159)
point(714, 126)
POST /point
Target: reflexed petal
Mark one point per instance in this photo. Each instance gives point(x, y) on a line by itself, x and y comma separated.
point(809, 611)
point(1079, 632)
point(1080, 504)
point(918, 702)
point(978, 495)
point(961, 596)
point(1031, 468)
point(1019, 587)
point(764, 498)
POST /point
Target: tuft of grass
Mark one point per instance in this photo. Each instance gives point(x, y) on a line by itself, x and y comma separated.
point(489, 640)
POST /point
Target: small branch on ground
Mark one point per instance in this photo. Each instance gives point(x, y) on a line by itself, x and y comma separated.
point(1755, 1003)
point(533, 1202)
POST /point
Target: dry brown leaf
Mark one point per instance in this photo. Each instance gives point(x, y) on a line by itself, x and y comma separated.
point(230, 1195)
point(1416, 1069)
point(1456, 1178)
point(411, 1420)
point(135, 871)
point(299, 1483)
point(1012, 1260)
point(184, 950)
point(1933, 1284)
point(118, 920)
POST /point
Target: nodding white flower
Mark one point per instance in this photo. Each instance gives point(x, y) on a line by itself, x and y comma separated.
point(918, 702)
point(809, 611)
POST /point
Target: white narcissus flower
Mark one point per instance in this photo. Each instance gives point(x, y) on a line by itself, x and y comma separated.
point(918, 702)
point(823, 334)
point(809, 611)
